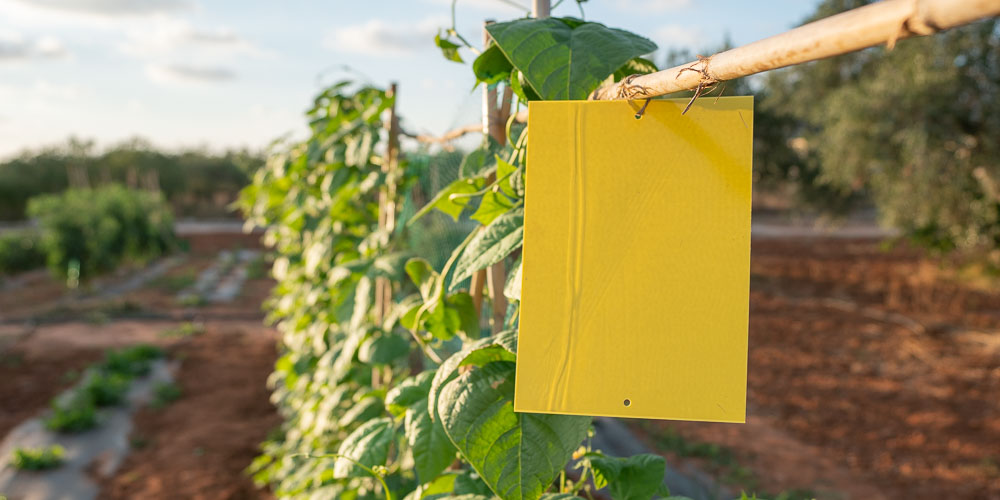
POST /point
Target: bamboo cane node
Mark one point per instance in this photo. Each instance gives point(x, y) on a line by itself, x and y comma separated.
point(627, 90)
point(918, 23)
point(707, 80)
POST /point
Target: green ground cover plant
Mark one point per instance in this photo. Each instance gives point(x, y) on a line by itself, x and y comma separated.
point(107, 384)
point(165, 393)
point(77, 413)
point(48, 457)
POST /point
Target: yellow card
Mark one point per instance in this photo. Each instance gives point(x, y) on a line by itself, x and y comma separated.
point(636, 277)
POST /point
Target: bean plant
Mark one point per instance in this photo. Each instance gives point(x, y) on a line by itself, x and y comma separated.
point(417, 402)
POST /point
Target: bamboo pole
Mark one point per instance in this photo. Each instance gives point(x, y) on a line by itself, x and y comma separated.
point(882, 22)
point(387, 204)
point(494, 124)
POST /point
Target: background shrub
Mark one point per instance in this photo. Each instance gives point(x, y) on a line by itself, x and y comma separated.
point(99, 228)
point(20, 250)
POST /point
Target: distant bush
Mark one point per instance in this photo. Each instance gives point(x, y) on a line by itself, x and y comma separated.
point(20, 251)
point(96, 229)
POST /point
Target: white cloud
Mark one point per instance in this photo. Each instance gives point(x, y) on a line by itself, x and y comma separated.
point(110, 8)
point(675, 36)
point(188, 74)
point(380, 38)
point(15, 47)
point(165, 35)
point(41, 93)
point(652, 5)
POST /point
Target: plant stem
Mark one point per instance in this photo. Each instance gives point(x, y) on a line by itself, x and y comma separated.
point(385, 487)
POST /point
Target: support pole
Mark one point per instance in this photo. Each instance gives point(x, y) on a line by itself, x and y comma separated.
point(494, 124)
point(881, 22)
point(387, 204)
point(540, 8)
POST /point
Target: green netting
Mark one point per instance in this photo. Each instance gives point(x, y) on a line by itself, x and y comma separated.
point(434, 235)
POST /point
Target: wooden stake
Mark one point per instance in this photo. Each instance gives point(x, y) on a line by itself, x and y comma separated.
point(387, 205)
point(540, 8)
point(881, 22)
point(494, 124)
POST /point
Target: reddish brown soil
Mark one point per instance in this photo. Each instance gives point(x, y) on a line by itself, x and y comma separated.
point(29, 378)
point(198, 446)
point(872, 375)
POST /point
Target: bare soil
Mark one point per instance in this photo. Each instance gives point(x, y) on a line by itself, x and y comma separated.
point(872, 374)
point(199, 446)
point(29, 379)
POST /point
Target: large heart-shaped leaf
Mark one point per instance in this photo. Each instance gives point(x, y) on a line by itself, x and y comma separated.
point(564, 58)
point(517, 454)
point(368, 445)
point(499, 347)
point(491, 245)
point(433, 451)
point(408, 392)
point(638, 477)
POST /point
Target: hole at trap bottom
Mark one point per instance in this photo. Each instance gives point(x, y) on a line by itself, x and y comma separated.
point(628, 402)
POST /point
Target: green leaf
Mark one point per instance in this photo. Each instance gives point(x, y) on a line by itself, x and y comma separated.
point(512, 289)
point(637, 66)
point(491, 66)
point(523, 92)
point(408, 392)
point(482, 159)
point(433, 451)
point(491, 206)
point(383, 349)
point(565, 58)
point(504, 172)
point(454, 315)
point(517, 454)
point(638, 477)
point(423, 275)
point(363, 411)
point(507, 340)
point(452, 483)
point(465, 308)
point(447, 202)
point(491, 245)
point(448, 48)
point(368, 445)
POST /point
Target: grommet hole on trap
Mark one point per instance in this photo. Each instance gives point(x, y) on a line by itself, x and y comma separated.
point(627, 402)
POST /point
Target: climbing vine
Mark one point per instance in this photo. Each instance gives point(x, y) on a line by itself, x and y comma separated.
point(414, 399)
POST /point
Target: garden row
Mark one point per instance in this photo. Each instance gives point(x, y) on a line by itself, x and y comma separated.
point(105, 384)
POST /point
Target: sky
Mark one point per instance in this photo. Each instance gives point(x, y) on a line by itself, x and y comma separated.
point(221, 74)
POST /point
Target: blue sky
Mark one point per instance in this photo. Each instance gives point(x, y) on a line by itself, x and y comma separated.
point(233, 73)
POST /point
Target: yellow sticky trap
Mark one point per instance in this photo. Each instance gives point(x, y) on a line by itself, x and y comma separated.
point(636, 277)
